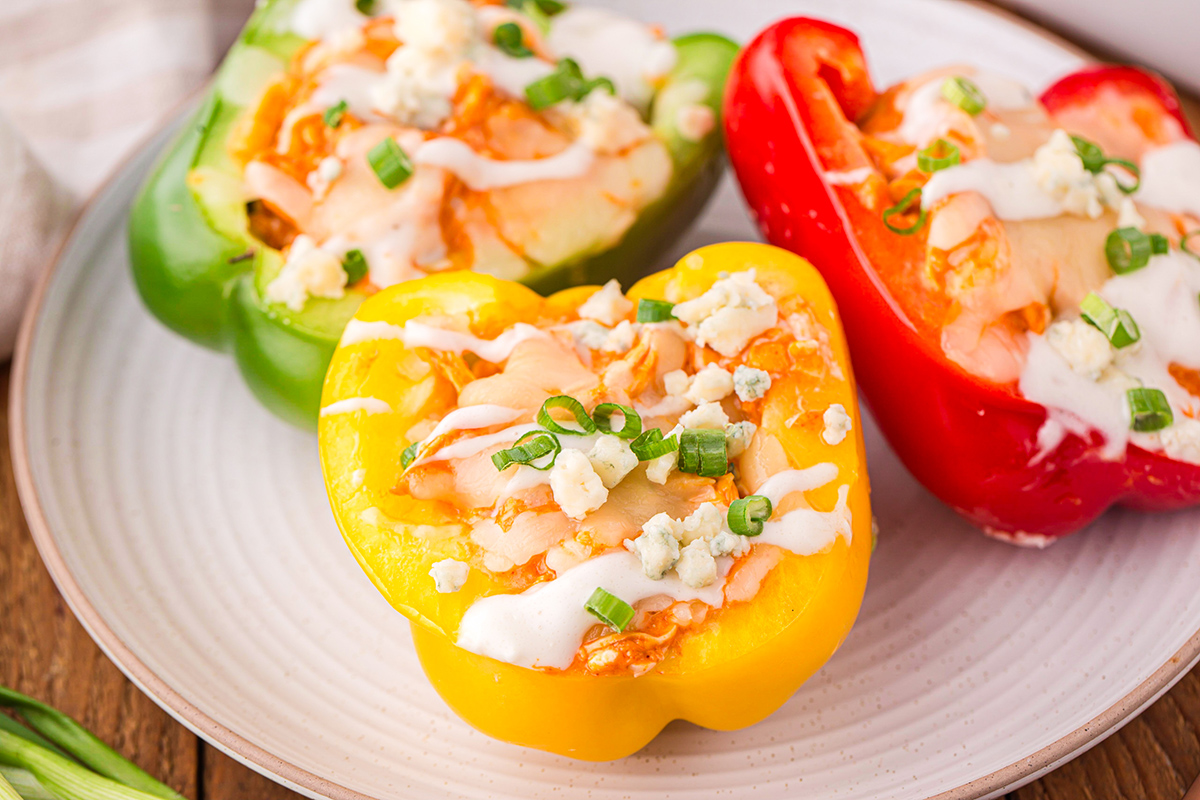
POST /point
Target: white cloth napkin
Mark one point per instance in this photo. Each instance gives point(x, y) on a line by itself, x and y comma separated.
point(82, 82)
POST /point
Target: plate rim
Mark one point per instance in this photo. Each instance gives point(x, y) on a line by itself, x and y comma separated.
point(229, 742)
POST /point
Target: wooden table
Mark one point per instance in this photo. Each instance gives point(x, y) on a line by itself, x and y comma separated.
point(45, 653)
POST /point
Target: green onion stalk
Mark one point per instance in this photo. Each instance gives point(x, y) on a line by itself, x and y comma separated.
point(65, 759)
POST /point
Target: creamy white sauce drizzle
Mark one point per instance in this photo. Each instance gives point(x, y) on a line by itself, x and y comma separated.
point(1162, 299)
point(928, 115)
point(371, 405)
point(319, 19)
point(481, 173)
point(1012, 189)
point(850, 177)
point(358, 331)
point(418, 334)
point(510, 74)
point(544, 625)
point(1171, 178)
point(605, 44)
point(468, 418)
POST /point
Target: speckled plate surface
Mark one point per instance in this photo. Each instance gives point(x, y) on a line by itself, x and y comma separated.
point(188, 530)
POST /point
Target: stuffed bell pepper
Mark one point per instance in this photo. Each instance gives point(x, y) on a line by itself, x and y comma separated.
point(1018, 274)
point(346, 146)
point(600, 511)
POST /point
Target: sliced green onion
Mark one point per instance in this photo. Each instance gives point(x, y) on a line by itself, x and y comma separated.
point(510, 39)
point(1128, 250)
point(529, 448)
point(586, 425)
point(1094, 161)
point(81, 744)
point(631, 426)
point(939, 155)
point(598, 83)
point(654, 310)
point(1132, 168)
point(901, 208)
point(355, 264)
point(747, 515)
point(1115, 323)
point(1089, 153)
point(702, 452)
point(964, 94)
point(609, 609)
point(651, 445)
point(391, 164)
point(1159, 244)
point(367, 7)
point(333, 115)
point(566, 82)
point(549, 7)
point(1187, 248)
point(409, 454)
point(1148, 409)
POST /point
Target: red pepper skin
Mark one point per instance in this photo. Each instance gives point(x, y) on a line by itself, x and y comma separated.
point(790, 106)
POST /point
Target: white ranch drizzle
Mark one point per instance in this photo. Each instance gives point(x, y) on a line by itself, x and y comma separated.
point(1171, 178)
point(619, 48)
point(544, 626)
point(927, 114)
point(467, 418)
point(371, 405)
point(481, 173)
point(850, 177)
point(1011, 189)
point(418, 334)
point(1161, 298)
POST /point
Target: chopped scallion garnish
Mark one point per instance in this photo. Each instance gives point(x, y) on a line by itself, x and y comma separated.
point(565, 83)
point(654, 310)
point(651, 445)
point(1148, 409)
point(1115, 323)
point(702, 452)
point(964, 94)
point(1094, 161)
point(409, 454)
point(609, 609)
point(367, 7)
point(528, 449)
point(631, 423)
point(1185, 246)
point(901, 208)
point(1128, 250)
point(355, 264)
point(568, 403)
point(391, 164)
point(939, 155)
point(510, 40)
point(333, 115)
point(747, 515)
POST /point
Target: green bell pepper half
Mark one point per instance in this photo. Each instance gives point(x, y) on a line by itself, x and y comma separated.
point(202, 273)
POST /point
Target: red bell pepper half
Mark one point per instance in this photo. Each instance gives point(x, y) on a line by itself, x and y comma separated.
point(791, 106)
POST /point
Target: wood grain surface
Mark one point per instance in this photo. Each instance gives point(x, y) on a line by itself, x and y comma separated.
point(45, 653)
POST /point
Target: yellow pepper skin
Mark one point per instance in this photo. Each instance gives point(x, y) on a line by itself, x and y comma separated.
point(738, 667)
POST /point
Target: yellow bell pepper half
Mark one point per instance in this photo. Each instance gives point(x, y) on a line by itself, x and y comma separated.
point(738, 667)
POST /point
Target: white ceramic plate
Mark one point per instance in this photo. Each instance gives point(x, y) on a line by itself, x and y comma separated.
point(189, 531)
